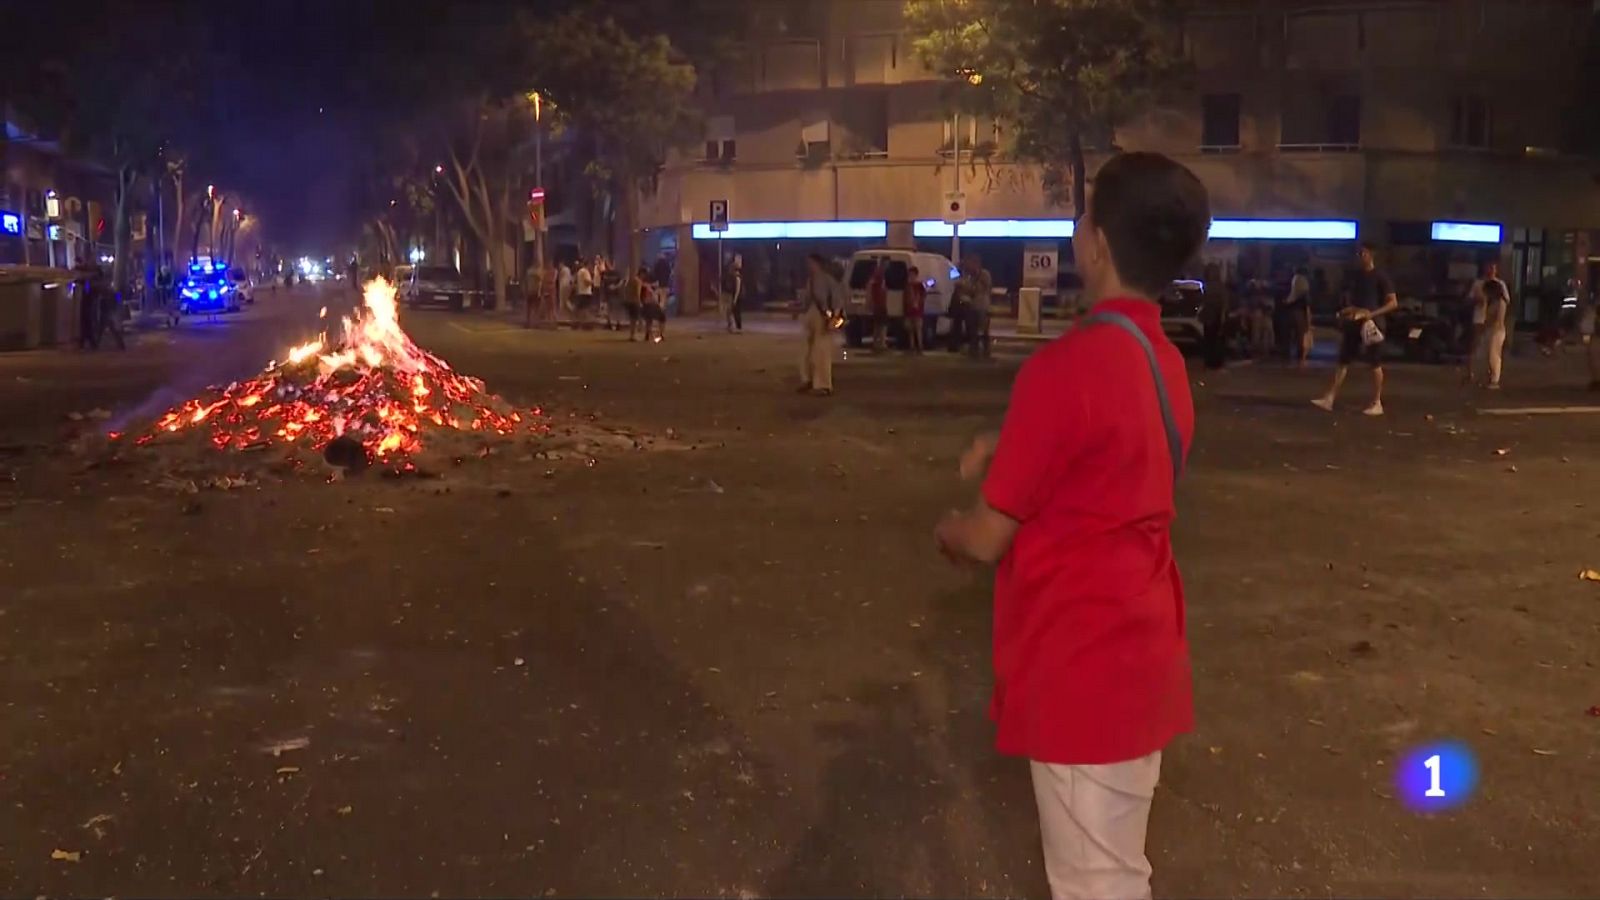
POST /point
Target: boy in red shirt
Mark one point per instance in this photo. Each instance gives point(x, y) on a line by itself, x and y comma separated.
point(1090, 656)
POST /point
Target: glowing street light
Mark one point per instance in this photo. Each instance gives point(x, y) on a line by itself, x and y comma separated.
point(417, 256)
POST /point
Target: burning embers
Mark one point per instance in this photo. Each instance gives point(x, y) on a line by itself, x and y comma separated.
point(374, 387)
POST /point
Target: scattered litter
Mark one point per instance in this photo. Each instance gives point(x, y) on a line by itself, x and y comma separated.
point(569, 377)
point(345, 810)
point(518, 661)
point(650, 545)
point(1362, 648)
point(71, 856)
point(1216, 751)
point(277, 748)
point(1511, 469)
point(715, 488)
point(94, 824)
point(1538, 752)
point(1589, 575)
point(1490, 732)
point(288, 770)
point(1503, 451)
point(1594, 711)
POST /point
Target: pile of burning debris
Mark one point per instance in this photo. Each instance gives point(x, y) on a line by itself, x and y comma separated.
point(374, 398)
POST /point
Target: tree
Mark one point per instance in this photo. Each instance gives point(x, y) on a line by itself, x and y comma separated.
point(1063, 73)
point(628, 99)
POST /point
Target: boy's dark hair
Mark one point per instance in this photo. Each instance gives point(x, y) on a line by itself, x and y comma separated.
point(1494, 290)
point(1155, 214)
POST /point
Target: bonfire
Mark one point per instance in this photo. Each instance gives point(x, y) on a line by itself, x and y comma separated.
point(374, 388)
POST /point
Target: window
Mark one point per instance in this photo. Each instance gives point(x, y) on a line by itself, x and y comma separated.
point(1344, 121)
point(792, 66)
point(1319, 122)
point(865, 121)
point(872, 58)
point(1219, 122)
point(815, 144)
point(1469, 122)
point(980, 135)
point(721, 145)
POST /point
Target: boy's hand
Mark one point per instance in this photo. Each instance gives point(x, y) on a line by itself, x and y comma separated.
point(947, 535)
point(977, 456)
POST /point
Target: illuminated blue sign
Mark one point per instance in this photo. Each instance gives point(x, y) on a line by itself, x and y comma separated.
point(1283, 229)
point(1468, 232)
point(10, 223)
point(995, 228)
point(793, 231)
point(1224, 229)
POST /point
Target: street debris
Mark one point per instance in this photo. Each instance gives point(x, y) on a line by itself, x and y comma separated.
point(278, 748)
point(1594, 711)
point(71, 856)
point(1503, 451)
point(94, 824)
point(519, 661)
point(288, 770)
point(1538, 752)
point(1589, 575)
point(345, 810)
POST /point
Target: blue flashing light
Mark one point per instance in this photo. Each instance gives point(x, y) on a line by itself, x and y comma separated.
point(1467, 232)
point(794, 231)
point(10, 223)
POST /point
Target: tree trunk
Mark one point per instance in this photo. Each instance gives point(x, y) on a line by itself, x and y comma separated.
point(126, 180)
point(1080, 178)
point(630, 215)
point(177, 216)
point(494, 235)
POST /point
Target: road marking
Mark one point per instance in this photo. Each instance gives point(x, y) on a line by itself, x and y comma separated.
point(1541, 411)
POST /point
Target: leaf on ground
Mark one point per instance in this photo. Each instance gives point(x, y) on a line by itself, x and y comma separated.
point(66, 855)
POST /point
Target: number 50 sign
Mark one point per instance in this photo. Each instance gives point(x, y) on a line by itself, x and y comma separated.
point(1039, 266)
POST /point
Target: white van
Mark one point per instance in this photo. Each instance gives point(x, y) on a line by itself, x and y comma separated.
point(936, 272)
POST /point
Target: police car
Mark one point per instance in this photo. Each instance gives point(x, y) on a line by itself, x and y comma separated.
point(207, 290)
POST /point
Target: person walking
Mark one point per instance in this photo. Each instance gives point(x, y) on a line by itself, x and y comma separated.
point(1297, 316)
point(583, 290)
point(733, 294)
point(1091, 658)
point(878, 295)
point(1497, 301)
point(662, 277)
point(88, 308)
point(818, 307)
point(1368, 298)
point(1478, 296)
point(652, 308)
point(916, 297)
point(980, 291)
point(633, 301)
point(564, 280)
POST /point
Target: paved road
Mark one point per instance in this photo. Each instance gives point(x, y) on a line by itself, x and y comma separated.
point(732, 664)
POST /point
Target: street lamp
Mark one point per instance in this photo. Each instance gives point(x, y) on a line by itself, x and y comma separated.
point(417, 256)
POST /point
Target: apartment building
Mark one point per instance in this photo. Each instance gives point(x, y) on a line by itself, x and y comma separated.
point(1438, 129)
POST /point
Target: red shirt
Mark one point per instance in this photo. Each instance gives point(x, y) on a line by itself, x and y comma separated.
point(916, 293)
point(1090, 656)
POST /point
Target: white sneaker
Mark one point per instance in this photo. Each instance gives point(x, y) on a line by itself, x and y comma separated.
point(1376, 409)
point(1323, 403)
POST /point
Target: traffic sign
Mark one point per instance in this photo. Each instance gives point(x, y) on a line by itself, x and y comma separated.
point(719, 215)
point(955, 207)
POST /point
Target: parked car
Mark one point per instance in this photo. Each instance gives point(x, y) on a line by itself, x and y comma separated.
point(1182, 304)
point(244, 288)
point(937, 275)
point(438, 286)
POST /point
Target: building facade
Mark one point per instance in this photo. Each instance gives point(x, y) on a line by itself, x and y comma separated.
point(1311, 123)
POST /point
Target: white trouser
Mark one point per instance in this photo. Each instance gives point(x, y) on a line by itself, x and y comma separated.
point(816, 364)
point(1092, 820)
point(1495, 341)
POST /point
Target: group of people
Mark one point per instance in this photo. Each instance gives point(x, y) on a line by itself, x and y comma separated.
point(589, 291)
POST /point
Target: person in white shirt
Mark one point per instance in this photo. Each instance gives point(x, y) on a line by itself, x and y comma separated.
point(1488, 327)
point(564, 286)
point(585, 290)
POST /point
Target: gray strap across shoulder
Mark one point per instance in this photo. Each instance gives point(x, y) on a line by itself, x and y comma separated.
point(1174, 439)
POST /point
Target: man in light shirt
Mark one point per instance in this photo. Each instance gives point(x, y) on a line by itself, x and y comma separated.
point(1488, 337)
point(585, 289)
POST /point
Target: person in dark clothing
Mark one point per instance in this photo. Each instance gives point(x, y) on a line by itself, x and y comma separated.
point(88, 310)
point(1369, 297)
point(661, 276)
point(733, 292)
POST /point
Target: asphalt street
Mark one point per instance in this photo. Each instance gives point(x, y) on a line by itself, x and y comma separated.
point(723, 659)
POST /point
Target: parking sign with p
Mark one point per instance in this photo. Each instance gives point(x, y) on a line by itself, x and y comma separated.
point(719, 215)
